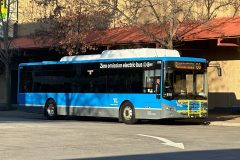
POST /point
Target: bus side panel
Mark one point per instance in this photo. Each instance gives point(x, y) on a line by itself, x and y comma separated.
point(79, 104)
point(32, 102)
point(147, 106)
point(85, 104)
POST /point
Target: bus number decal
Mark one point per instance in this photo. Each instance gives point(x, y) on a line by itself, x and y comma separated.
point(115, 102)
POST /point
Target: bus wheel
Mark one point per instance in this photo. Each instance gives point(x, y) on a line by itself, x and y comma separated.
point(128, 113)
point(50, 110)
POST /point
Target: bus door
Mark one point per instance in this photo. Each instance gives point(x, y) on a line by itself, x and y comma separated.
point(152, 87)
point(147, 104)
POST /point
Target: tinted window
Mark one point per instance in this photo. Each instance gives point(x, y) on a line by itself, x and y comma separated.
point(48, 78)
point(83, 78)
point(125, 81)
point(89, 79)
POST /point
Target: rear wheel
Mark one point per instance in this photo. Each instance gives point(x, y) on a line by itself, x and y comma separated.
point(50, 110)
point(128, 113)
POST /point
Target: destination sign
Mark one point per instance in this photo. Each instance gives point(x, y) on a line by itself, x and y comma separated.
point(132, 64)
point(188, 65)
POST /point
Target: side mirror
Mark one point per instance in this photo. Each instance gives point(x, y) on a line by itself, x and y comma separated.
point(219, 69)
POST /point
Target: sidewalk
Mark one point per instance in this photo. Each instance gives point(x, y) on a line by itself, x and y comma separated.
point(224, 119)
point(215, 119)
point(20, 114)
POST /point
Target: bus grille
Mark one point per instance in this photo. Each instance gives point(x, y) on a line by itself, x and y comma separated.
point(194, 108)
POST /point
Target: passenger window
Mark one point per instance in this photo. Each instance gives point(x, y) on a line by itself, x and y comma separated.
point(151, 79)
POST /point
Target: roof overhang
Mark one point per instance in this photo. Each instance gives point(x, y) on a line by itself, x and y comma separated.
point(226, 31)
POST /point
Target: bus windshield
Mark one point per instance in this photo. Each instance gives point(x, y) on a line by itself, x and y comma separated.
point(185, 80)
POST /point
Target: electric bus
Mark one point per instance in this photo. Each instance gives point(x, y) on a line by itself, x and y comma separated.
point(128, 84)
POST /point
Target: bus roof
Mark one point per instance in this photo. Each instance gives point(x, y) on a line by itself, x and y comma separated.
point(122, 55)
point(126, 53)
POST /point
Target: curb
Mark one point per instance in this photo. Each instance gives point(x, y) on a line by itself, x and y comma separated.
point(20, 114)
point(228, 124)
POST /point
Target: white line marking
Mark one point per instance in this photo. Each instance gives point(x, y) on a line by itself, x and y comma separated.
point(166, 141)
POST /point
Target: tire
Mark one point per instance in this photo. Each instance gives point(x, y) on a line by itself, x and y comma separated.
point(127, 113)
point(50, 110)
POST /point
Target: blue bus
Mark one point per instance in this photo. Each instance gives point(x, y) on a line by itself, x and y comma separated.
point(129, 84)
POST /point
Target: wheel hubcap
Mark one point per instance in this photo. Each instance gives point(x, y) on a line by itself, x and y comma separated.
point(51, 110)
point(127, 113)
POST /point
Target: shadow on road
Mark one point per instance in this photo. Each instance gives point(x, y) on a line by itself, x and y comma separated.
point(231, 154)
point(17, 116)
point(42, 119)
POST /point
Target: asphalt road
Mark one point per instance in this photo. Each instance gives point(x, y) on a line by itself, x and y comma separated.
point(30, 137)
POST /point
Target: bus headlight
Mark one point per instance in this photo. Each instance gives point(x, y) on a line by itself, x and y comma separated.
point(167, 107)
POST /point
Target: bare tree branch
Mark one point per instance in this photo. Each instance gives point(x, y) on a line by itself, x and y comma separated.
point(68, 24)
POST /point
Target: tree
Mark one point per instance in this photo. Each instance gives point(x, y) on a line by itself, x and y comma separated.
point(6, 47)
point(167, 21)
point(66, 24)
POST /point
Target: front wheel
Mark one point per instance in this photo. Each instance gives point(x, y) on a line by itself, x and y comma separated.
point(50, 110)
point(128, 113)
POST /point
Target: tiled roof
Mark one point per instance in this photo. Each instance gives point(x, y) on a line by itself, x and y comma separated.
point(220, 28)
point(119, 36)
point(27, 43)
point(217, 28)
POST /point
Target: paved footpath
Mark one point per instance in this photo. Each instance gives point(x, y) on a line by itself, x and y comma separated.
point(224, 119)
point(15, 114)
